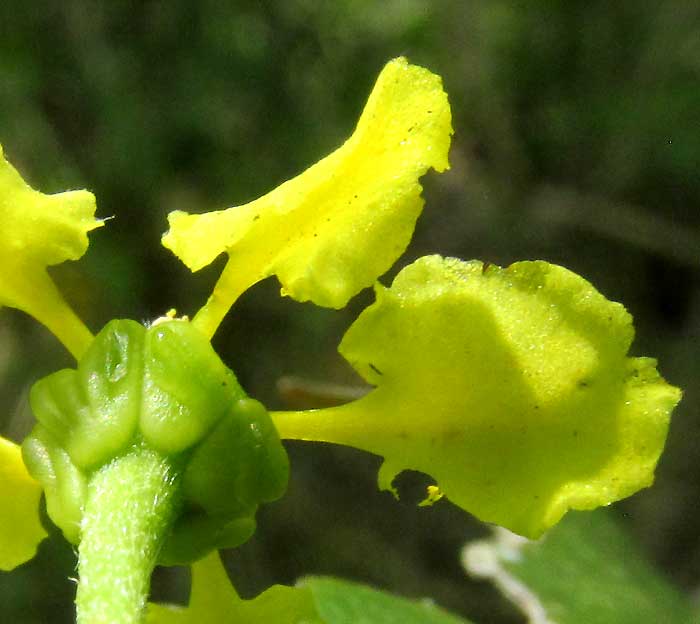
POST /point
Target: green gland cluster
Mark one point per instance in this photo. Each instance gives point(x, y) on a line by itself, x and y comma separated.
point(162, 389)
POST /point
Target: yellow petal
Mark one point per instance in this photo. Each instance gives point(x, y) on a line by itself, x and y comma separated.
point(20, 527)
point(511, 387)
point(331, 231)
point(39, 231)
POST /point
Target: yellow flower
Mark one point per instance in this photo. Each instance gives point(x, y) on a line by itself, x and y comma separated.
point(37, 231)
point(512, 387)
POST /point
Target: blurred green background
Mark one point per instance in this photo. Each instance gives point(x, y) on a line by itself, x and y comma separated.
point(577, 140)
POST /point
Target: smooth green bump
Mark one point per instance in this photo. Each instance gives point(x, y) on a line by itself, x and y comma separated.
point(230, 460)
point(511, 387)
point(38, 231)
point(20, 526)
point(93, 412)
point(195, 534)
point(186, 387)
point(65, 486)
point(332, 230)
point(240, 464)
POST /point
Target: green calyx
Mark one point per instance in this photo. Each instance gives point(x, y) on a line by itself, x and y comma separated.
point(162, 388)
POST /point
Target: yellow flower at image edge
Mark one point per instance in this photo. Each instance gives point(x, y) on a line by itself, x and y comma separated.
point(37, 231)
point(20, 527)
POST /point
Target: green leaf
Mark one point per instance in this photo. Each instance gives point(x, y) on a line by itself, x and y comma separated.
point(587, 570)
point(511, 387)
point(20, 527)
point(342, 602)
point(332, 230)
point(316, 601)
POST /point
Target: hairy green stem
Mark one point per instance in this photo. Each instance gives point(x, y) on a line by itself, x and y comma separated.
point(130, 507)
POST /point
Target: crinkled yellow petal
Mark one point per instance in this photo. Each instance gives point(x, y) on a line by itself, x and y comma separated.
point(39, 231)
point(331, 231)
point(20, 527)
point(511, 387)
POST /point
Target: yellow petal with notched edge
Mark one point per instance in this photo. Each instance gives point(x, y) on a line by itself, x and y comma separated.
point(20, 527)
point(331, 231)
point(511, 387)
point(38, 231)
